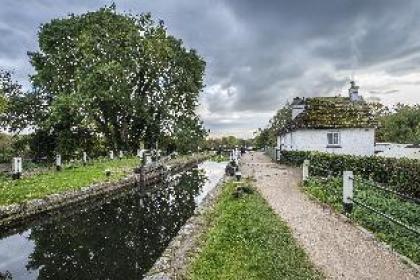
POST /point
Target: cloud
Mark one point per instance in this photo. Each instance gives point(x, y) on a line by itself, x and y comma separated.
point(262, 53)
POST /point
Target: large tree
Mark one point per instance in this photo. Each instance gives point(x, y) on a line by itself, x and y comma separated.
point(115, 75)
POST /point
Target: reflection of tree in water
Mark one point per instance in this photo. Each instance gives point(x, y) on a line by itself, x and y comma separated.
point(121, 240)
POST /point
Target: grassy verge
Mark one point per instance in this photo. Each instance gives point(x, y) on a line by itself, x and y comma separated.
point(248, 241)
point(219, 158)
point(17, 191)
point(405, 242)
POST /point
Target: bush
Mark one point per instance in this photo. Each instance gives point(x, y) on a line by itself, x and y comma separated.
point(402, 175)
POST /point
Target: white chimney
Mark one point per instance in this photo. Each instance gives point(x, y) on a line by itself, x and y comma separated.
point(298, 106)
point(354, 92)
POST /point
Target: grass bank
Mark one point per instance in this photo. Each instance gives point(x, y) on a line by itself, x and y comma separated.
point(248, 241)
point(38, 186)
point(403, 241)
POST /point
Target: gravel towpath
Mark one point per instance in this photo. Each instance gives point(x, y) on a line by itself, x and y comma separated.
point(333, 244)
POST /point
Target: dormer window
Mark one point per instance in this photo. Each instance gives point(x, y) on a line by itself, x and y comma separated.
point(333, 139)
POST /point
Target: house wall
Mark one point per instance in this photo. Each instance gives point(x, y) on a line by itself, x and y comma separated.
point(353, 141)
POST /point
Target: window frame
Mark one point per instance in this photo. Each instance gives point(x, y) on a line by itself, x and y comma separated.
point(335, 135)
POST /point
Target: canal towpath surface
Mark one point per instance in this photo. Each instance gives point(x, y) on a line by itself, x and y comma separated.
point(339, 248)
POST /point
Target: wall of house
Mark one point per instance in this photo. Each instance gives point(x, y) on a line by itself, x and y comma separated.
point(353, 141)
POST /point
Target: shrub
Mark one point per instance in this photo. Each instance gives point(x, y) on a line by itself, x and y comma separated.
point(402, 175)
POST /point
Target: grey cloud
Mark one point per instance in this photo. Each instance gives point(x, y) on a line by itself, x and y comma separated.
point(259, 53)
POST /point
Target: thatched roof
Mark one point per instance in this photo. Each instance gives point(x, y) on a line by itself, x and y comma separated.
point(331, 112)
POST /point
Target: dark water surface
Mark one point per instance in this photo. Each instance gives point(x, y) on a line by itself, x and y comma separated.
point(118, 239)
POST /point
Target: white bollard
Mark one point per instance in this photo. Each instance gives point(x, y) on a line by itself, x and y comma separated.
point(16, 167)
point(121, 155)
point(58, 162)
point(84, 157)
point(305, 170)
point(111, 155)
point(348, 191)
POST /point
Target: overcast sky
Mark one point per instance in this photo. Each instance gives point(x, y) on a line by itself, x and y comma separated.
point(260, 54)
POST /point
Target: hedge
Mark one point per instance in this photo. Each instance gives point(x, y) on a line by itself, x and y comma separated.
point(402, 175)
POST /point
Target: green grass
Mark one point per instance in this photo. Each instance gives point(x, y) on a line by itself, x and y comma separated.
point(219, 158)
point(38, 186)
point(248, 241)
point(403, 241)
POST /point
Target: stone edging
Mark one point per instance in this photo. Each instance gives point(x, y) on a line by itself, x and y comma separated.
point(177, 256)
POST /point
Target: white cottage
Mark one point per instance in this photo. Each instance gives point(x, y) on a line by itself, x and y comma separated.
point(341, 125)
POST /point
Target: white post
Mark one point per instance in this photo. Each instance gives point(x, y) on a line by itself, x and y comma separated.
point(121, 154)
point(139, 153)
point(17, 167)
point(111, 155)
point(305, 170)
point(84, 157)
point(348, 191)
point(58, 162)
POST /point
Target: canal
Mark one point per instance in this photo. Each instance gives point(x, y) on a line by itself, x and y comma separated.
point(116, 239)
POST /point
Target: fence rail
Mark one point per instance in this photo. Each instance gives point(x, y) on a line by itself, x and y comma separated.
point(349, 192)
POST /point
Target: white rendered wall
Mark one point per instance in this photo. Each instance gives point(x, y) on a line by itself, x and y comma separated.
point(353, 141)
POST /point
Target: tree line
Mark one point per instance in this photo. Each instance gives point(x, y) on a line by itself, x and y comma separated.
point(106, 80)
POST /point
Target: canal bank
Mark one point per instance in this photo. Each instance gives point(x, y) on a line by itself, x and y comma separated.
point(17, 214)
point(119, 238)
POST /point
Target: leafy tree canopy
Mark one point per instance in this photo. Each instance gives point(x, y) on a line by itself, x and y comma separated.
point(119, 76)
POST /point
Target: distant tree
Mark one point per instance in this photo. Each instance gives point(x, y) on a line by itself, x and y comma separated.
point(400, 125)
point(268, 135)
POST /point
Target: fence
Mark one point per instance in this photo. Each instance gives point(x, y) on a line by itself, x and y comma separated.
point(273, 153)
point(350, 186)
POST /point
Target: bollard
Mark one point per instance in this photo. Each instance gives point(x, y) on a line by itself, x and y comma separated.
point(348, 191)
point(121, 155)
point(84, 158)
point(111, 155)
point(16, 167)
point(305, 170)
point(238, 175)
point(58, 162)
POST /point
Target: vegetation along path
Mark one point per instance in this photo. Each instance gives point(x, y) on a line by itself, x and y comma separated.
point(336, 246)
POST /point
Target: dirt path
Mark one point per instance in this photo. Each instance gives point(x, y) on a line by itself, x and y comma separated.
point(337, 247)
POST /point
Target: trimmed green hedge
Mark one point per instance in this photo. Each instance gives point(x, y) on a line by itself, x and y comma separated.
point(402, 175)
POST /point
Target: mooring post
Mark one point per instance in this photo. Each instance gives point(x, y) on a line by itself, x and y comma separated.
point(348, 180)
point(84, 158)
point(305, 170)
point(111, 155)
point(58, 162)
point(16, 167)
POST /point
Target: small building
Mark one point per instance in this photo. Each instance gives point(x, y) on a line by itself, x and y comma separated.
point(340, 125)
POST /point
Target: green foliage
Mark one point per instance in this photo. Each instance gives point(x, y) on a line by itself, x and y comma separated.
point(402, 175)
point(71, 178)
point(248, 241)
point(106, 75)
point(407, 243)
point(268, 136)
point(402, 125)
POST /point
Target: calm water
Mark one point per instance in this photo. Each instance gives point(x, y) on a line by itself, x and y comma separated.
point(119, 239)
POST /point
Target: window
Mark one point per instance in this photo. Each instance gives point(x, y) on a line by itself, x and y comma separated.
point(333, 138)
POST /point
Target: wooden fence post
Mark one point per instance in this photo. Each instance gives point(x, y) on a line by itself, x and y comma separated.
point(348, 191)
point(305, 170)
point(16, 167)
point(58, 162)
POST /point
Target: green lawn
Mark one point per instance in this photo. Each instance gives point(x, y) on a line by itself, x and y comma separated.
point(248, 241)
point(405, 242)
point(38, 186)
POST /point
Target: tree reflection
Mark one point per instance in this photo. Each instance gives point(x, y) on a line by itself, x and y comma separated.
point(119, 240)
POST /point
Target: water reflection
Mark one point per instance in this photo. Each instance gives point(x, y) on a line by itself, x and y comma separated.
point(120, 239)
